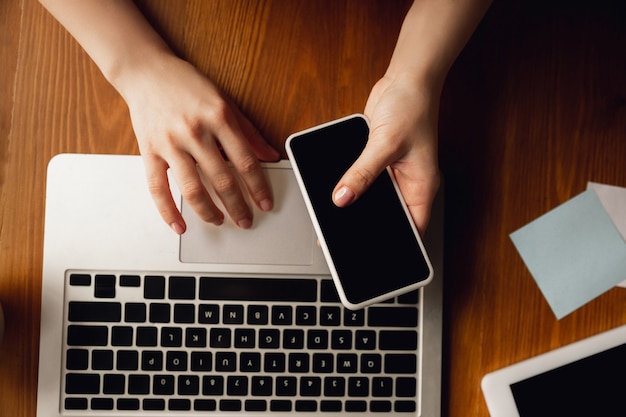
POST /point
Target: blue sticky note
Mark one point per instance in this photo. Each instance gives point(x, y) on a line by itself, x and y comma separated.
point(574, 252)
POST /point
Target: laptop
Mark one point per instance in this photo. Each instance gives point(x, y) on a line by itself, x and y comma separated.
point(137, 321)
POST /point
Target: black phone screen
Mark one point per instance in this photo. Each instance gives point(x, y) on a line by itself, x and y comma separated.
point(373, 246)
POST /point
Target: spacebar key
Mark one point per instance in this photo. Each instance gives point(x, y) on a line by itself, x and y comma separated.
point(258, 289)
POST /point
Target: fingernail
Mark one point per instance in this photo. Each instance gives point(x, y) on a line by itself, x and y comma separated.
point(244, 223)
point(343, 196)
point(177, 228)
point(266, 205)
point(219, 222)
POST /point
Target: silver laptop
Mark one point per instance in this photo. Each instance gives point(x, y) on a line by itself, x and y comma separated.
point(137, 321)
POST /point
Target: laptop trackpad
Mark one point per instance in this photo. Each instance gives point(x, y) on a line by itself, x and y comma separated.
point(283, 236)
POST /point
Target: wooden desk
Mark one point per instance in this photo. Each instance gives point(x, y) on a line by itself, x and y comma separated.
point(533, 109)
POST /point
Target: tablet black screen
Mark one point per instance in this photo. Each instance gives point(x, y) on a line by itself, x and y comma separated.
point(593, 386)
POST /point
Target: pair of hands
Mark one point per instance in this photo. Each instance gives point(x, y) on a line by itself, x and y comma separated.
point(184, 123)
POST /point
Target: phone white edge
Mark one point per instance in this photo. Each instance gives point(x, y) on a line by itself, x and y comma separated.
point(496, 385)
point(344, 300)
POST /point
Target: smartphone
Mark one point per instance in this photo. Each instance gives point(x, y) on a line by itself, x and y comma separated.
point(372, 247)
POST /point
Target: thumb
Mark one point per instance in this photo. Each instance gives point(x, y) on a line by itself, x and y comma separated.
point(360, 176)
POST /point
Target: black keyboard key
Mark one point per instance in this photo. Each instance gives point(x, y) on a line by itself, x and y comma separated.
point(153, 404)
point(201, 361)
point(409, 298)
point(80, 280)
point(182, 288)
point(406, 387)
point(299, 362)
point(330, 316)
point(306, 406)
point(84, 311)
point(365, 340)
point(347, 363)
point(154, 287)
point(102, 360)
point(329, 292)
point(82, 383)
point(105, 286)
point(163, 384)
point(232, 314)
point(398, 340)
point(280, 405)
point(138, 384)
point(293, 339)
point(76, 359)
point(257, 289)
point(274, 362)
point(188, 385)
point(147, 336)
point(261, 386)
point(127, 360)
point(230, 405)
point(317, 339)
point(135, 313)
point(330, 406)
point(392, 316)
point(178, 404)
point(286, 386)
point(237, 385)
point(405, 406)
point(195, 337)
point(269, 338)
point(356, 406)
point(121, 336)
point(219, 338)
point(371, 363)
point(87, 335)
point(382, 387)
point(255, 405)
point(130, 281)
point(306, 316)
point(323, 363)
point(334, 386)
point(282, 315)
point(130, 404)
point(76, 403)
point(114, 384)
point(250, 362)
point(258, 314)
point(102, 403)
point(184, 313)
point(151, 360)
point(341, 340)
point(171, 337)
point(225, 361)
point(212, 385)
point(245, 338)
point(358, 386)
point(160, 313)
point(380, 406)
point(176, 361)
point(208, 314)
point(311, 386)
point(400, 364)
point(353, 318)
point(204, 405)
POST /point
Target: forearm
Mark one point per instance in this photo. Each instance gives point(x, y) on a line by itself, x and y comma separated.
point(433, 34)
point(113, 32)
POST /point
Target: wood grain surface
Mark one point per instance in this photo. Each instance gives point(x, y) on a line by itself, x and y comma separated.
point(533, 108)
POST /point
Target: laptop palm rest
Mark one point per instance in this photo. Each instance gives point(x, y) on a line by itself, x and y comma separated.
point(283, 236)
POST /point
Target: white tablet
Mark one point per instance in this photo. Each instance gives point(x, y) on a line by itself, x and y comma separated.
point(585, 378)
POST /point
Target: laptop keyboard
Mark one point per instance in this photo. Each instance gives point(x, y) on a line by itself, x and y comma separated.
point(154, 344)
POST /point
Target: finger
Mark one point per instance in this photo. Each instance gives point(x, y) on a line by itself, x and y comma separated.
point(360, 176)
point(419, 194)
point(245, 160)
point(225, 184)
point(194, 192)
point(262, 149)
point(159, 187)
